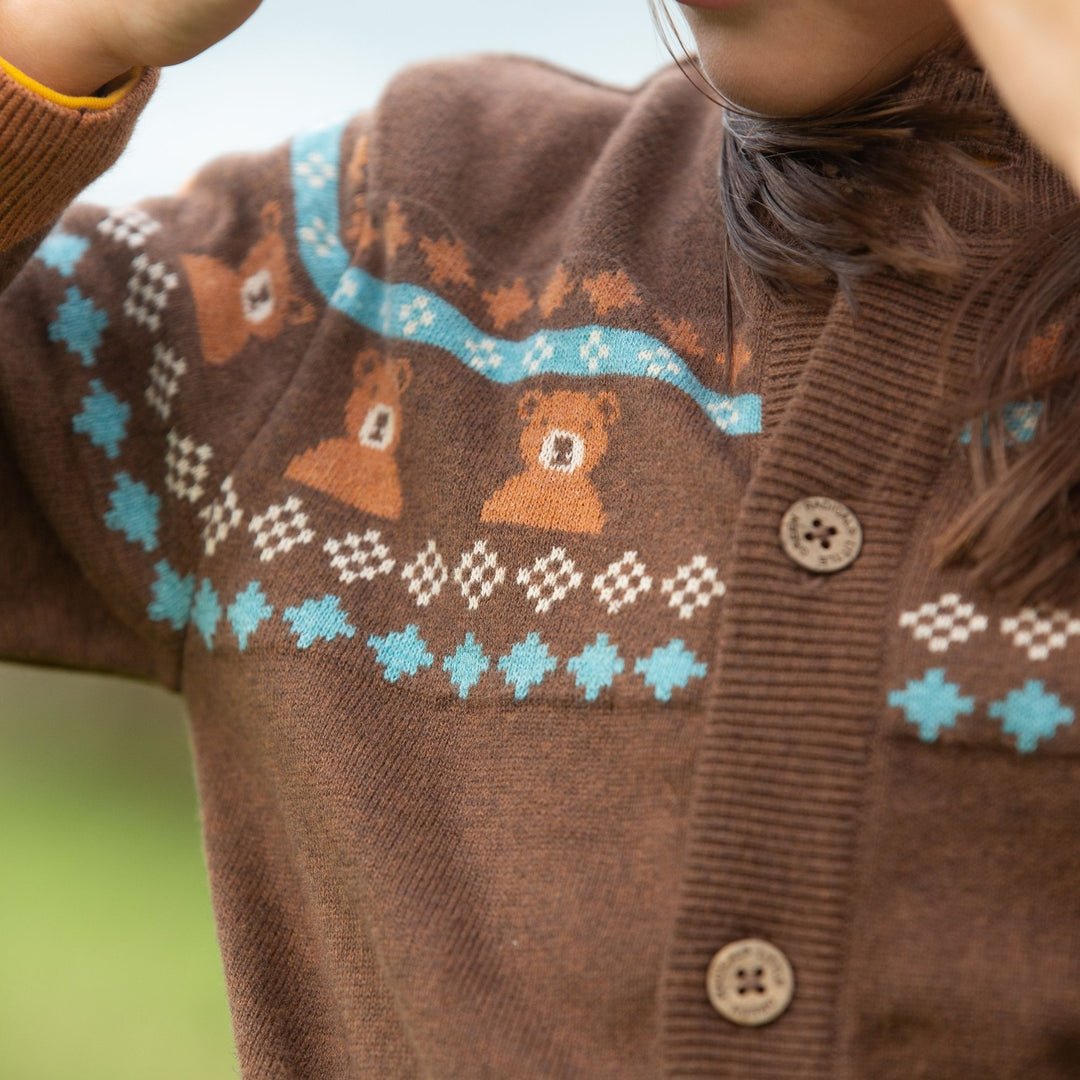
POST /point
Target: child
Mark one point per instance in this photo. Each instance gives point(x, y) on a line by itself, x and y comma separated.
point(551, 503)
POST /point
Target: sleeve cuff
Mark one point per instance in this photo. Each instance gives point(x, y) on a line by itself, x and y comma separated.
point(111, 94)
point(50, 150)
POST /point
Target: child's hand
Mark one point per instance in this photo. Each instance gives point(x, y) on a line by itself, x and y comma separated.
point(77, 46)
point(1031, 49)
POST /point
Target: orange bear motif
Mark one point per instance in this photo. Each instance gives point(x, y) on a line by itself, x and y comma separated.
point(361, 470)
point(232, 306)
point(565, 436)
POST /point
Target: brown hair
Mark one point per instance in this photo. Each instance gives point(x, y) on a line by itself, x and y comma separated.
point(801, 199)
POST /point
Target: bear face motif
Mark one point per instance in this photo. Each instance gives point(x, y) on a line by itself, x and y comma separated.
point(375, 404)
point(361, 470)
point(257, 296)
point(565, 436)
point(255, 301)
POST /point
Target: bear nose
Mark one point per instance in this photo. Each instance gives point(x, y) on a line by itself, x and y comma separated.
point(562, 451)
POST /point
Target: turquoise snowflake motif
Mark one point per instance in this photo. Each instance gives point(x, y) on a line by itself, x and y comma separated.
point(319, 620)
point(61, 252)
point(596, 666)
point(206, 612)
point(104, 418)
point(173, 596)
point(1031, 714)
point(134, 511)
point(738, 415)
point(402, 653)
point(467, 665)
point(527, 665)
point(79, 325)
point(1021, 421)
point(248, 612)
point(931, 703)
point(670, 668)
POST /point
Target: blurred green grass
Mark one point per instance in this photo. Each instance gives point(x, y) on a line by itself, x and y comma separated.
point(109, 968)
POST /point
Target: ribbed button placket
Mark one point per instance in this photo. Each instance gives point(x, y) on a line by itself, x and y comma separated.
point(779, 793)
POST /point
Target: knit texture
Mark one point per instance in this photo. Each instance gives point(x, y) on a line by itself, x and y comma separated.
point(409, 452)
point(110, 94)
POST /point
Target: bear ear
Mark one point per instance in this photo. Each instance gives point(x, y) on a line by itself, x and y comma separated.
point(366, 364)
point(404, 374)
point(608, 404)
point(530, 404)
point(271, 216)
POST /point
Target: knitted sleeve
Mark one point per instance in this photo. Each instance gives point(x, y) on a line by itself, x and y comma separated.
point(141, 350)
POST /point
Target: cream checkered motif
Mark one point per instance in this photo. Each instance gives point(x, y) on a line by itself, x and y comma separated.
point(221, 517)
point(944, 622)
point(186, 466)
point(1041, 632)
point(622, 583)
point(479, 573)
point(426, 575)
point(550, 579)
point(130, 226)
point(693, 587)
point(359, 557)
point(280, 528)
point(165, 374)
point(148, 292)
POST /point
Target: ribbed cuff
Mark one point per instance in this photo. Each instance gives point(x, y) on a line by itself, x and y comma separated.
point(50, 148)
point(109, 95)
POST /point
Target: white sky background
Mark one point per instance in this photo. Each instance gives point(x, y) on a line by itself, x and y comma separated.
point(301, 63)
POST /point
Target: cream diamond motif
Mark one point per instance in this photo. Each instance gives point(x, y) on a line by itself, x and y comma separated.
point(1041, 632)
point(359, 557)
point(693, 586)
point(148, 292)
point(550, 579)
point(944, 622)
point(622, 583)
point(479, 573)
point(129, 226)
point(186, 467)
point(165, 374)
point(426, 575)
point(221, 517)
point(280, 528)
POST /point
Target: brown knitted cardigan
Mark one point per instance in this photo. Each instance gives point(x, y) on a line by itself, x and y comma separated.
point(410, 455)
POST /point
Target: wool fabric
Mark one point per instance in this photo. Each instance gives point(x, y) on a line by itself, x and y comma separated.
point(410, 454)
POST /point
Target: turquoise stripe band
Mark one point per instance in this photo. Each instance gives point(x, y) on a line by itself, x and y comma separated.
point(408, 313)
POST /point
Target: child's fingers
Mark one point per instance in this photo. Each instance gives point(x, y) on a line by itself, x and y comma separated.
point(1031, 49)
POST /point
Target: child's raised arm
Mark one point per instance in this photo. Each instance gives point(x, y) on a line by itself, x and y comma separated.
point(1031, 49)
point(142, 349)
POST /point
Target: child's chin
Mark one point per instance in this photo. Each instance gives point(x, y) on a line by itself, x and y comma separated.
point(802, 90)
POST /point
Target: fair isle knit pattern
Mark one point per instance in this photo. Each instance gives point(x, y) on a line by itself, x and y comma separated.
point(410, 454)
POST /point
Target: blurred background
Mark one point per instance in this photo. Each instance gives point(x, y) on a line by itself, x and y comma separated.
point(108, 962)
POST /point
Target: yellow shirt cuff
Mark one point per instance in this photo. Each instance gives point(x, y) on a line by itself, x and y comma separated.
point(95, 103)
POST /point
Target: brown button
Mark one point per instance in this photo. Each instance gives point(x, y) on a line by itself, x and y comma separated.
point(750, 982)
point(821, 535)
